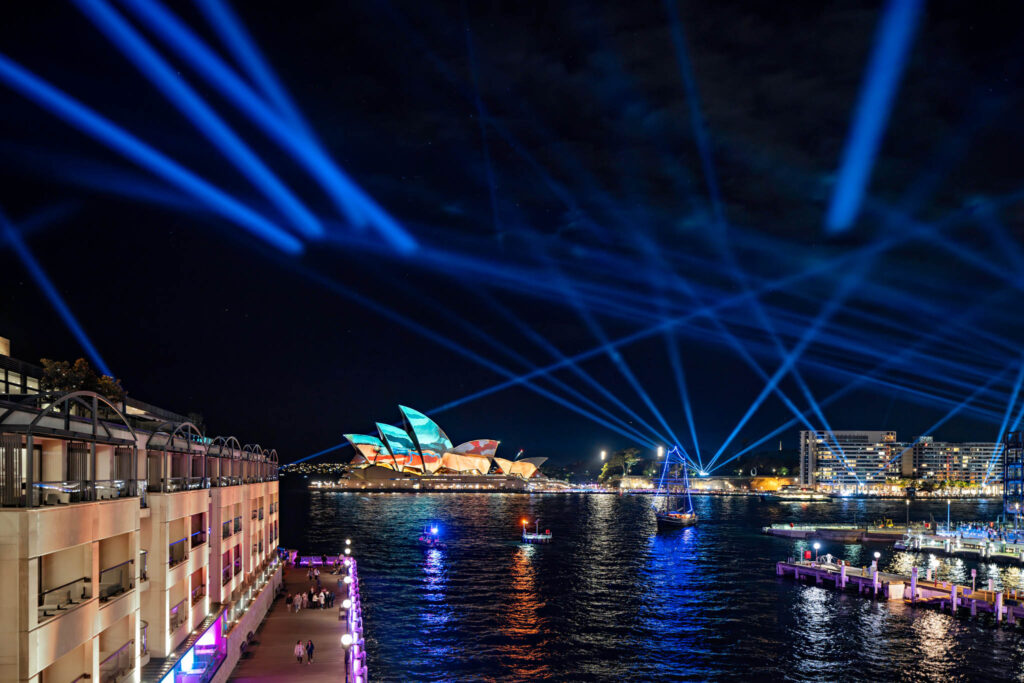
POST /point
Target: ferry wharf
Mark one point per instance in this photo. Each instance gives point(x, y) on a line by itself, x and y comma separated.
point(336, 632)
point(912, 590)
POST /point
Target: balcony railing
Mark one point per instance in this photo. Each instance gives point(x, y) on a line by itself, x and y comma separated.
point(53, 601)
point(117, 665)
point(143, 565)
point(198, 593)
point(225, 529)
point(178, 616)
point(198, 538)
point(144, 638)
point(177, 552)
point(238, 566)
point(112, 488)
point(238, 524)
point(225, 575)
point(117, 579)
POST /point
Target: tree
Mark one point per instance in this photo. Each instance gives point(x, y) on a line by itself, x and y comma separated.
point(783, 471)
point(61, 377)
point(628, 457)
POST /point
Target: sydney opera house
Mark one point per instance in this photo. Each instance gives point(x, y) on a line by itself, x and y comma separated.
point(420, 449)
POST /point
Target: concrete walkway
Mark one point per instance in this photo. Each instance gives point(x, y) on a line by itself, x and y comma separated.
point(274, 659)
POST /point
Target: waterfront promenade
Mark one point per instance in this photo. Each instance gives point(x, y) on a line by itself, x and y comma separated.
point(273, 658)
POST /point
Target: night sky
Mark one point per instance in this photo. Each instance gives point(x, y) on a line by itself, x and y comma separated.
point(547, 159)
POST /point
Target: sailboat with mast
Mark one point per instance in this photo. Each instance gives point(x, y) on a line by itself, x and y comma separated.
point(667, 512)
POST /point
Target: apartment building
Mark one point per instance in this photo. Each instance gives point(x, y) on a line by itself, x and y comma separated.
point(848, 460)
point(132, 546)
point(863, 460)
point(972, 462)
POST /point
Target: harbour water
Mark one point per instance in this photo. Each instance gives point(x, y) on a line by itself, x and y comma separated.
point(612, 599)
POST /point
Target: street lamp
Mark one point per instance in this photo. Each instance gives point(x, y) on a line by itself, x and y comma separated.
point(603, 454)
point(816, 547)
point(346, 642)
point(661, 451)
point(877, 555)
point(908, 513)
point(948, 502)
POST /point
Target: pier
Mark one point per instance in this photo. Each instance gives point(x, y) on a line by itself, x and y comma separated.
point(842, 533)
point(336, 632)
point(975, 548)
point(941, 595)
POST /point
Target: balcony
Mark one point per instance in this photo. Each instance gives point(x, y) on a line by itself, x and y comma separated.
point(238, 524)
point(198, 538)
point(225, 575)
point(177, 617)
point(116, 666)
point(238, 566)
point(198, 593)
point(55, 601)
point(117, 580)
point(261, 514)
point(177, 552)
point(225, 529)
point(144, 638)
point(143, 565)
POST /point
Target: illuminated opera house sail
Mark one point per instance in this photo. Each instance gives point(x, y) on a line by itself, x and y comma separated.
point(422, 447)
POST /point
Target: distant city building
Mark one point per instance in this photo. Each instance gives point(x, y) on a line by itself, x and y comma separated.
point(136, 549)
point(422, 448)
point(972, 462)
point(1013, 474)
point(861, 460)
point(848, 460)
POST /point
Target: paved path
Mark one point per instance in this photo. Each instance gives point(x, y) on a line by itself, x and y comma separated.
point(274, 659)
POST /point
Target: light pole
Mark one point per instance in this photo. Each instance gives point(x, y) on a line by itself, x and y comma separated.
point(877, 555)
point(816, 547)
point(346, 643)
point(949, 501)
point(908, 513)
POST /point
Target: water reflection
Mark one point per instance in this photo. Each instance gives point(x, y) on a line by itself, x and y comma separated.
point(612, 599)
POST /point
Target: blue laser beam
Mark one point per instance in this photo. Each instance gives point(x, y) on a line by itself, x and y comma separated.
point(236, 38)
point(358, 207)
point(195, 109)
point(44, 283)
point(892, 45)
point(91, 123)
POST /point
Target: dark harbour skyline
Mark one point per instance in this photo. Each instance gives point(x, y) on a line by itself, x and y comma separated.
point(571, 229)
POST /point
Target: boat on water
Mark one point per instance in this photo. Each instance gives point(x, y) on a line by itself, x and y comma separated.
point(666, 517)
point(675, 519)
point(794, 495)
point(536, 536)
point(430, 537)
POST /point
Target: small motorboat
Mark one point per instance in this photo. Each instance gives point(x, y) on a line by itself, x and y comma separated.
point(430, 537)
point(536, 536)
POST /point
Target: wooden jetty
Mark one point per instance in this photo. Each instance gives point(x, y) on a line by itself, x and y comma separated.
point(942, 595)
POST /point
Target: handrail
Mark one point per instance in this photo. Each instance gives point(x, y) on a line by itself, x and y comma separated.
point(118, 651)
point(119, 564)
point(85, 579)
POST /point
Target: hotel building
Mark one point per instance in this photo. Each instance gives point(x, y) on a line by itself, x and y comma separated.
point(864, 460)
point(132, 547)
point(850, 460)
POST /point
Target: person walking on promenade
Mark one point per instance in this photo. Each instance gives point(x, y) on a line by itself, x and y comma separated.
point(298, 650)
point(309, 651)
